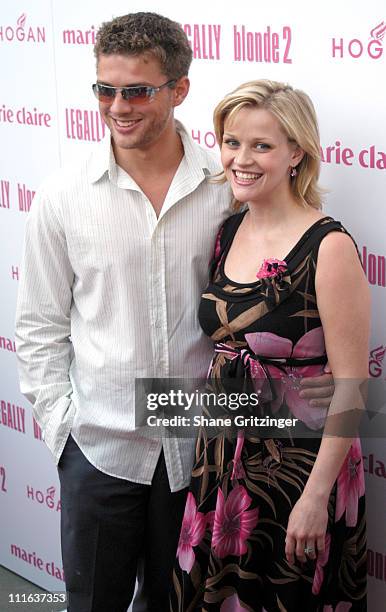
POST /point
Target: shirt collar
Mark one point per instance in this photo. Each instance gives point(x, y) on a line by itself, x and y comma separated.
point(100, 160)
point(197, 160)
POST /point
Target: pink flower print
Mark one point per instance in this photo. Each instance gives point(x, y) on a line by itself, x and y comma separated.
point(350, 485)
point(233, 523)
point(287, 382)
point(342, 606)
point(192, 532)
point(210, 519)
point(238, 471)
point(232, 604)
point(271, 268)
point(320, 563)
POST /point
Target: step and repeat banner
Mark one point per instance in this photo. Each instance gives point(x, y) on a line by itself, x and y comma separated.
point(335, 51)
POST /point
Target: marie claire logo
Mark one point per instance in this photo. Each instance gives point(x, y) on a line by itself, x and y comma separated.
point(371, 47)
point(377, 356)
point(46, 498)
point(21, 33)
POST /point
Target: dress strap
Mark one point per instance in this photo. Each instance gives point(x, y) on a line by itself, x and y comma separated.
point(312, 239)
point(224, 236)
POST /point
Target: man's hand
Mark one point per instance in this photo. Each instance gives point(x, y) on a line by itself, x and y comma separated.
point(319, 389)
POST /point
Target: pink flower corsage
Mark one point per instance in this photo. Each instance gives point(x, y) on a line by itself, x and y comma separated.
point(271, 268)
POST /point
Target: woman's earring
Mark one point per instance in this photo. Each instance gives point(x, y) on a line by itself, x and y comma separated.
point(293, 171)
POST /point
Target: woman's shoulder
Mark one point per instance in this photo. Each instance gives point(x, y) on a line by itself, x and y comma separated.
point(327, 230)
point(335, 245)
point(321, 230)
point(336, 242)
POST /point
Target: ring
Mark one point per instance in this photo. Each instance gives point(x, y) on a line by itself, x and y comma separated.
point(309, 549)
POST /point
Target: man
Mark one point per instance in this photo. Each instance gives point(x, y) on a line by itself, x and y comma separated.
point(116, 255)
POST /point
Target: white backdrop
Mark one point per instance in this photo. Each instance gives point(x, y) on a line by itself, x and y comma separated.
point(335, 51)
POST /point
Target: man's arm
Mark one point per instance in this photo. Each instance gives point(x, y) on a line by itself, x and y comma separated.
point(318, 389)
point(43, 316)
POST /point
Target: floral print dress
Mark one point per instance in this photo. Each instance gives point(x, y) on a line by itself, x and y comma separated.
point(231, 553)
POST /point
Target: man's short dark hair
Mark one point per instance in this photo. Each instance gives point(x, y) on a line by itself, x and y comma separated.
point(150, 33)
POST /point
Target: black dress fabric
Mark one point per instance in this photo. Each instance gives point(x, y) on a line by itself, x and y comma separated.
point(231, 554)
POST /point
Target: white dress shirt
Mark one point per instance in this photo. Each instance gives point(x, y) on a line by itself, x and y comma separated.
point(108, 293)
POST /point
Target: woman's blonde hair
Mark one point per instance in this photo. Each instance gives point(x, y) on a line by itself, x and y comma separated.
point(296, 115)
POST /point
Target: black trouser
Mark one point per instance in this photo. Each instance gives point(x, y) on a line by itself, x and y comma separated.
point(106, 524)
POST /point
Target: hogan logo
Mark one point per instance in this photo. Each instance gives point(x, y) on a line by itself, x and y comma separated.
point(371, 47)
point(21, 33)
point(46, 498)
point(377, 356)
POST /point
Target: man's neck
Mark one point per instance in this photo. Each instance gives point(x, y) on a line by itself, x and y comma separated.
point(162, 156)
point(153, 169)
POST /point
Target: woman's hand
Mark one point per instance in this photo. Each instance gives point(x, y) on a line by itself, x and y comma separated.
point(307, 525)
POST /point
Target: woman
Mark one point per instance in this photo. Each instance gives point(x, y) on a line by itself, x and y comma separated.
point(271, 523)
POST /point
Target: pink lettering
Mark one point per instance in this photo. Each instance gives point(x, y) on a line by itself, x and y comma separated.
point(12, 416)
point(337, 47)
point(362, 158)
point(84, 125)
point(358, 44)
point(204, 40)
point(25, 198)
point(6, 115)
point(374, 266)
point(197, 136)
point(275, 48)
point(375, 49)
point(210, 140)
point(26, 117)
point(20, 35)
point(260, 46)
point(381, 271)
point(287, 35)
point(376, 565)
point(347, 156)
point(4, 194)
point(267, 45)
point(78, 122)
point(7, 344)
point(372, 274)
point(374, 466)
point(41, 32)
point(37, 431)
point(9, 33)
point(3, 488)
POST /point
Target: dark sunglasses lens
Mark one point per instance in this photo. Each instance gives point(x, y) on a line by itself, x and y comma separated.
point(136, 95)
point(104, 94)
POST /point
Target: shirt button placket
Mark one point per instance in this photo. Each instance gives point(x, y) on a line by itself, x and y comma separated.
point(159, 303)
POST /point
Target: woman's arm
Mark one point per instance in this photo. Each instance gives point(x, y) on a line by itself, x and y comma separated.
point(343, 300)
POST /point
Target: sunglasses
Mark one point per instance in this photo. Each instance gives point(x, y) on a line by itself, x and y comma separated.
point(139, 94)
